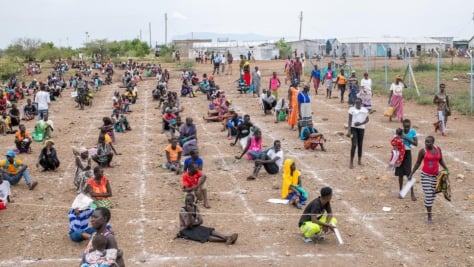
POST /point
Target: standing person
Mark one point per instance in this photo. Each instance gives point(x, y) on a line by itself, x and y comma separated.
point(298, 66)
point(246, 70)
point(341, 82)
point(409, 137)
point(358, 117)
point(13, 169)
point(316, 78)
point(353, 88)
point(272, 161)
point(81, 91)
point(304, 109)
point(99, 220)
point(42, 99)
point(441, 100)
point(432, 157)
point(190, 225)
point(312, 222)
point(293, 104)
point(223, 62)
point(288, 66)
point(328, 76)
point(217, 63)
point(230, 59)
point(256, 77)
point(395, 99)
point(274, 84)
point(365, 92)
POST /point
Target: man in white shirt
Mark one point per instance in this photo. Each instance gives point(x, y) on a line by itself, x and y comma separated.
point(272, 161)
point(42, 99)
point(268, 101)
point(4, 191)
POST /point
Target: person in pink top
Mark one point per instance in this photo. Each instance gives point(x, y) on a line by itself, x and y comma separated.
point(274, 85)
point(432, 157)
point(254, 146)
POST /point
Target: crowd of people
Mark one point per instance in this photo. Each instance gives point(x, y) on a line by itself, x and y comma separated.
point(90, 222)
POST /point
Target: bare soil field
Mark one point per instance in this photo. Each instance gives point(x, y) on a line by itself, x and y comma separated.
point(147, 198)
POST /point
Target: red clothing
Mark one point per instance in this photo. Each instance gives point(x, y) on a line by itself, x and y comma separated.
point(190, 181)
point(298, 66)
point(169, 117)
point(431, 162)
point(398, 143)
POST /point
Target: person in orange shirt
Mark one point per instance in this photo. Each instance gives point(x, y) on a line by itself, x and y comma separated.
point(173, 156)
point(23, 140)
point(98, 187)
point(341, 82)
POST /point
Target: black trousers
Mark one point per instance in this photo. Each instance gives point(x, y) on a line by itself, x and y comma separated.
point(357, 141)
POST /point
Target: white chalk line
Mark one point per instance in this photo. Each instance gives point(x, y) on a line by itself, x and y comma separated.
point(368, 226)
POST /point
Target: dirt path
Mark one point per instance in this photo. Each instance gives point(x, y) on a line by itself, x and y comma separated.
point(147, 198)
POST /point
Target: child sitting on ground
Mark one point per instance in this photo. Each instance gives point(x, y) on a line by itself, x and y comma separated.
point(173, 156)
point(398, 149)
point(99, 256)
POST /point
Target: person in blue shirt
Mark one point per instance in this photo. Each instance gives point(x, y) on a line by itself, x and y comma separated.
point(410, 139)
point(316, 78)
point(193, 158)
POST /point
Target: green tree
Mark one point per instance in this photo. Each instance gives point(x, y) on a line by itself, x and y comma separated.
point(25, 48)
point(284, 48)
point(8, 67)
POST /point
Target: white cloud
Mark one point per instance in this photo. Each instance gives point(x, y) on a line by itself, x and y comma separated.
point(177, 15)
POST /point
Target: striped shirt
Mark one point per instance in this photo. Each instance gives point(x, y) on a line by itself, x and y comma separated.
point(81, 222)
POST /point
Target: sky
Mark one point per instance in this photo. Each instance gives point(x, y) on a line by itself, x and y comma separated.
point(65, 22)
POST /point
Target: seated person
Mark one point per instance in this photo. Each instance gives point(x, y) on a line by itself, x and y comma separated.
point(193, 158)
point(281, 110)
point(29, 111)
point(122, 124)
point(48, 159)
point(108, 125)
point(23, 140)
point(14, 115)
point(272, 161)
point(186, 89)
point(242, 84)
point(5, 192)
point(13, 169)
point(108, 139)
point(291, 185)
point(173, 156)
point(268, 101)
point(45, 125)
point(194, 182)
point(313, 222)
point(83, 168)
point(79, 229)
point(104, 154)
point(190, 227)
point(5, 123)
point(253, 147)
point(98, 255)
point(169, 119)
point(231, 124)
point(312, 137)
point(3, 102)
point(243, 132)
point(188, 136)
point(98, 187)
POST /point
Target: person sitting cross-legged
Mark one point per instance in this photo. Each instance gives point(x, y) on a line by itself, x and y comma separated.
point(193, 158)
point(173, 156)
point(23, 140)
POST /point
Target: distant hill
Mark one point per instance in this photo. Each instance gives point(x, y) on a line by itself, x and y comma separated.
point(225, 36)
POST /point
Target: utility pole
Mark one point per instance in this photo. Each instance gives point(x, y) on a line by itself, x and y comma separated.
point(140, 35)
point(166, 29)
point(301, 23)
point(149, 31)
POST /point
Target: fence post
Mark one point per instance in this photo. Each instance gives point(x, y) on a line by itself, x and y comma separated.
point(385, 66)
point(469, 53)
point(438, 65)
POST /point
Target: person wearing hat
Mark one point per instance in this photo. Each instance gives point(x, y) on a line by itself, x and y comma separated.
point(48, 159)
point(395, 99)
point(13, 169)
point(353, 88)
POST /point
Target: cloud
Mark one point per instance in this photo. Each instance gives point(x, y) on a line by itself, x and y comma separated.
point(177, 15)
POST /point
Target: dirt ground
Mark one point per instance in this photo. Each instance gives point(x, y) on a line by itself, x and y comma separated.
point(147, 198)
